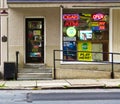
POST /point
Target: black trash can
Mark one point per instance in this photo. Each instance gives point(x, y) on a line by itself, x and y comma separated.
point(9, 71)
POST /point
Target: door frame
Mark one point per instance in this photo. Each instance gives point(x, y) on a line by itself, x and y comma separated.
point(33, 17)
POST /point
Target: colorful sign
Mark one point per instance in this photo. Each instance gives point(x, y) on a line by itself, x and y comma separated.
point(85, 34)
point(84, 56)
point(98, 25)
point(69, 50)
point(86, 14)
point(69, 39)
point(71, 17)
point(71, 23)
point(94, 24)
point(98, 16)
point(71, 32)
point(36, 32)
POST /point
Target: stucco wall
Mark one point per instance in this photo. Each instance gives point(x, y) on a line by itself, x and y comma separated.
point(116, 32)
point(17, 31)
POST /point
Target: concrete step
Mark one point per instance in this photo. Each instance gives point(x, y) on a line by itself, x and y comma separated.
point(35, 66)
point(34, 70)
point(20, 79)
point(34, 76)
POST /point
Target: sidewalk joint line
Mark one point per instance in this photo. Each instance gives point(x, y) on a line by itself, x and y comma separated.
point(68, 82)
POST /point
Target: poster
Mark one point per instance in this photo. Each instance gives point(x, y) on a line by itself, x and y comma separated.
point(85, 34)
point(84, 56)
point(69, 49)
point(36, 32)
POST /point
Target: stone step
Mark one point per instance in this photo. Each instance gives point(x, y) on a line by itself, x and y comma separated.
point(34, 76)
point(35, 66)
point(20, 79)
point(34, 70)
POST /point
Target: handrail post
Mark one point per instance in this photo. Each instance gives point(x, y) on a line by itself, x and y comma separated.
point(54, 66)
point(16, 72)
point(112, 72)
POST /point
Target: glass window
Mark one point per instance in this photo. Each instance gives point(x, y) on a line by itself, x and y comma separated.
point(85, 30)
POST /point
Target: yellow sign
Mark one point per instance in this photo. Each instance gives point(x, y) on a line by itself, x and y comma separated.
point(84, 56)
point(94, 24)
point(36, 32)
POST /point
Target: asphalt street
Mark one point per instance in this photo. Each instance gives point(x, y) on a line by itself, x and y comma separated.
point(77, 96)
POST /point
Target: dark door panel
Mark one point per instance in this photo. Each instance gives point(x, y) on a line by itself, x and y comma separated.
point(34, 40)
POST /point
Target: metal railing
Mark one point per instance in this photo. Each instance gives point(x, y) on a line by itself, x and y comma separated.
point(16, 70)
point(111, 55)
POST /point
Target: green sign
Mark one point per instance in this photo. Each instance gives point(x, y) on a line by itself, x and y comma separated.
point(71, 31)
point(84, 46)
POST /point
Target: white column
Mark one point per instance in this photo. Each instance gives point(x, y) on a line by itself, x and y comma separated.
point(4, 48)
point(1, 3)
point(5, 4)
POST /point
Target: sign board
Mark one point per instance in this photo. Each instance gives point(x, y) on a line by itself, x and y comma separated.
point(84, 56)
point(71, 31)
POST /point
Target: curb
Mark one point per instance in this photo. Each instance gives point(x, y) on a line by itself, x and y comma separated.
point(47, 88)
point(86, 87)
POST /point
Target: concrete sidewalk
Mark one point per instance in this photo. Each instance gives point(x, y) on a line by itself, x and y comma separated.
point(61, 84)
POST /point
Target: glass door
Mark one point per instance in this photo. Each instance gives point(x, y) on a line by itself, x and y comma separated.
point(34, 40)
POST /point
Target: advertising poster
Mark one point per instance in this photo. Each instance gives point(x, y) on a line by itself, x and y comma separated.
point(84, 56)
point(85, 34)
point(36, 32)
point(69, 49)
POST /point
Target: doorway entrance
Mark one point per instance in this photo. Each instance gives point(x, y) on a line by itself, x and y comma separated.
point(34, 40)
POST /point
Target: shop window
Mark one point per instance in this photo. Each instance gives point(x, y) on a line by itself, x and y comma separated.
point(85, 30)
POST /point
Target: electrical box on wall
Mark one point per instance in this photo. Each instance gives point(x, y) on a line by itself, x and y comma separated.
point(4, 38)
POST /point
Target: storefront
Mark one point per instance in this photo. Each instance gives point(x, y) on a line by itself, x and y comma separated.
point(36, 28)
point(86, 30)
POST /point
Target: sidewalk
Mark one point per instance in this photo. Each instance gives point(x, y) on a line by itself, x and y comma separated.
point(61, 84)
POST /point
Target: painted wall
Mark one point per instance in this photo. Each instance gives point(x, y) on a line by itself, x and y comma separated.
point(116, 32)
point(3, 32)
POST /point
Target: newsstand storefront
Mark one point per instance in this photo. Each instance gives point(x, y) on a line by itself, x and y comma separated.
point(85, 30)
point(74, 27)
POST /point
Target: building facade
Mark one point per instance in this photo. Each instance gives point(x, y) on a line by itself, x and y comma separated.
point(37, 27)
point(3, 33)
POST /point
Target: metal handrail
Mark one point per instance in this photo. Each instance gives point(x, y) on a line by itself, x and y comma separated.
point(109, 53)
point(16, 72)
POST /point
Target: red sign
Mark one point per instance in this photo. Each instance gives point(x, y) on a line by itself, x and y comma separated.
point(71, 23)
point(101, 27)
point(101, 23)
point(71, 17)
point(97, 16)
